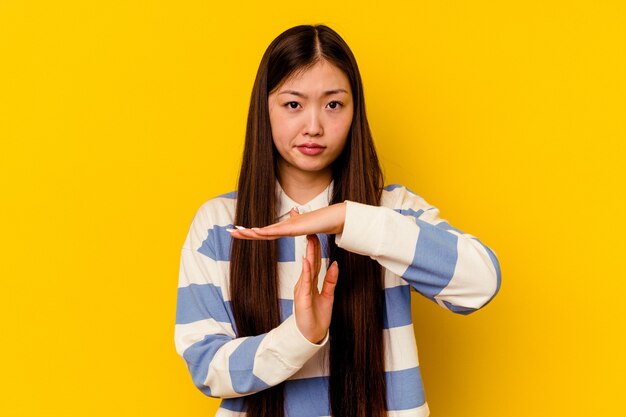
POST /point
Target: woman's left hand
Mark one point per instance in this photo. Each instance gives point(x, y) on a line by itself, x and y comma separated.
point(327, 220)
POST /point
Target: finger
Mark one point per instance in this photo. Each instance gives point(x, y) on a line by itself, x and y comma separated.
point(305, 277)
point(294, 212)
point(317, 265)
point(296, 287)
point(310, 249)
point(330, 281)
point(310, 257)
point(303, 274)
point(282, 229)
point(248, 234)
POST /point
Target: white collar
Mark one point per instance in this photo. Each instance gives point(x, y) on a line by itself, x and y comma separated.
point(285, 204)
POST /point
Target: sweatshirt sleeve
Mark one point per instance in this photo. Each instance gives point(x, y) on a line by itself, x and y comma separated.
point(220, 363)
point(407, 236)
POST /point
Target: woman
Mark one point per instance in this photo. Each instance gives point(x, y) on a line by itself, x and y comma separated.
point(253, 319)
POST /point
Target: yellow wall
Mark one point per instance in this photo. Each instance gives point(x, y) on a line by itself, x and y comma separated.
point(119, 118)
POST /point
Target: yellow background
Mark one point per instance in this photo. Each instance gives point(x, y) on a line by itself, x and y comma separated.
point(118, 119)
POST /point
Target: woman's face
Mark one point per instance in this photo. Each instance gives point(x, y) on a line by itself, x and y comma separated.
point(310, 116)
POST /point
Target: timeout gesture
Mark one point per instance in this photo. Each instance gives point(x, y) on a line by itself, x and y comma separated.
point(313, 309)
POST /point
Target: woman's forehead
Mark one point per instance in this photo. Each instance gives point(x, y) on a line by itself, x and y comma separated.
point(321, 78)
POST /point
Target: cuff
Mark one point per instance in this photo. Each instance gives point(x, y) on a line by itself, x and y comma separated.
point(363, 229)
point(291, 346)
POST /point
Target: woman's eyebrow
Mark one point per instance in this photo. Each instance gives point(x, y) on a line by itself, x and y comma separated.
point(326, 93)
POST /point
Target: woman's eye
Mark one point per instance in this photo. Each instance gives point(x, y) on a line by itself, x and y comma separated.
point(334, 104)
point(294, 104)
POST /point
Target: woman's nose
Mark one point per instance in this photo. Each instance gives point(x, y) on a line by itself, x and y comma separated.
point(313, 126)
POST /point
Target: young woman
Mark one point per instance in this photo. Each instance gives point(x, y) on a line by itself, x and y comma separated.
point(294, 291)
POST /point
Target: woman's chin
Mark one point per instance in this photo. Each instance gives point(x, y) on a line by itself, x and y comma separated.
point(311, 169)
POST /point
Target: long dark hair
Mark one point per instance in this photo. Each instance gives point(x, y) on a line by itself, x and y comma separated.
point(357, 375)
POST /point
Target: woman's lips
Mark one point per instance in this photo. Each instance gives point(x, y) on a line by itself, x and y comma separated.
point(311, 149)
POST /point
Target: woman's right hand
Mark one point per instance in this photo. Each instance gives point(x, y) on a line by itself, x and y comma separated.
point(313, 309)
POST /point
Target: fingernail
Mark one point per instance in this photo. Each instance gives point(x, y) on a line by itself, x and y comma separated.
point(231, 230)
point(240, 227)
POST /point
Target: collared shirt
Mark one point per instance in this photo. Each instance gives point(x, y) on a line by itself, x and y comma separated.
point(285, 204)
point(418, 250)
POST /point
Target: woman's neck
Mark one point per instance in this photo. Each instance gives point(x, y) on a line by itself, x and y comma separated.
point(302, 187)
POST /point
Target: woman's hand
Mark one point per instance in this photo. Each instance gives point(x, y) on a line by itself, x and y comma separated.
point(313, 309)
point(327, 220)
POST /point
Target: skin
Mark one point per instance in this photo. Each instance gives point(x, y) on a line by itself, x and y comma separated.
point(302, 112)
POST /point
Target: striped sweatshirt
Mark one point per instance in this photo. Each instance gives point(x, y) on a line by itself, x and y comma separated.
point(418, 251)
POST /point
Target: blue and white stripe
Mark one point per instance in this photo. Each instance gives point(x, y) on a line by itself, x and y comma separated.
point(420, 252)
